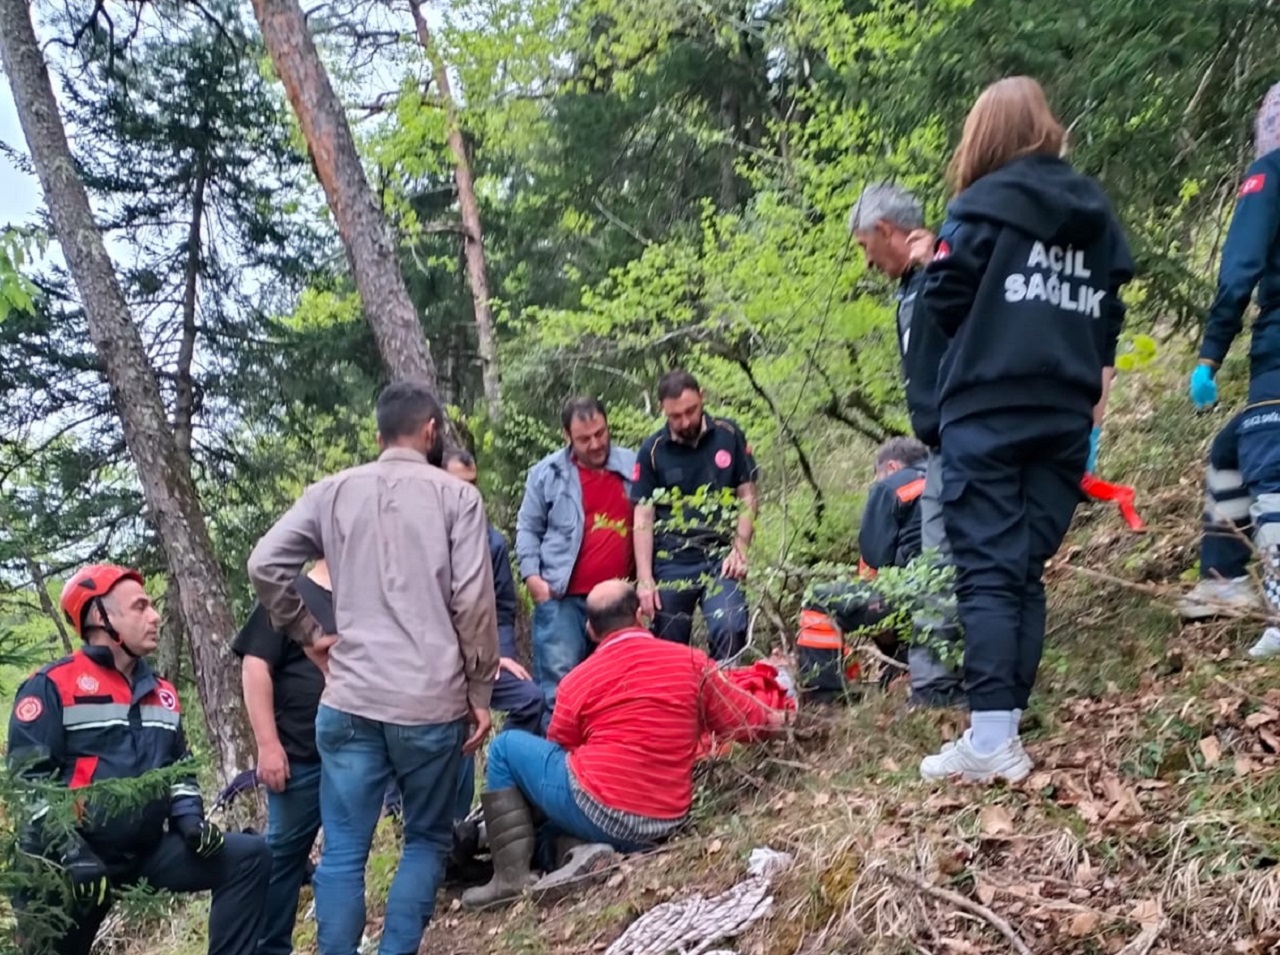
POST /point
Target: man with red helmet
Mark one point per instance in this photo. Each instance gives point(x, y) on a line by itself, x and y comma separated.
point(101, 714)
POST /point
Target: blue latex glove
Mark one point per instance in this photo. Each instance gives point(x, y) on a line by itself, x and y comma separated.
point(1094, 437)
point(1204, 390)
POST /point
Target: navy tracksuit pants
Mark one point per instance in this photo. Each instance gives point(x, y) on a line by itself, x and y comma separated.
point(1011, 483)
point(1242, 491)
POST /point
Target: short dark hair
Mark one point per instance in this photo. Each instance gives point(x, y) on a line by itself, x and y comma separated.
point(404, 407)
point(581, 408)
point(911, 452)
point(464, 458)
point(675, 383)
point(618, 614)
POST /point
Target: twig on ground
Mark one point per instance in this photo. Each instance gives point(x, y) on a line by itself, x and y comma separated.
point(1145, 940)
point(965, 905)
point(871, 650)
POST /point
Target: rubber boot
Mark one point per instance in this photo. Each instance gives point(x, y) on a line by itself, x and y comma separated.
point(512, 838)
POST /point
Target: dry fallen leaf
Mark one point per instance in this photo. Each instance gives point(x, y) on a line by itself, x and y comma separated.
point(616, 880)
point(1085, 923)
point(1211, 749)
point(986, 892)
point(1263, 716)
point(822, 799)
point(1039, 781)
point(715, 846)
point(1146, 912)
point(1244, 766)
point(995, 822)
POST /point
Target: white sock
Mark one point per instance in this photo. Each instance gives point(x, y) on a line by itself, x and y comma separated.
point(1015, 725)
point(990, 729)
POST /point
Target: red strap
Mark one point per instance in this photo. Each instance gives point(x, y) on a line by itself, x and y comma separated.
point(1121, 494)
point(909, 492)
point(82, 775)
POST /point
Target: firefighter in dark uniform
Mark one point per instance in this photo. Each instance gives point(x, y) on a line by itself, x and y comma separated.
point(1234, 500)
point(102, 714)
point(695, 497)
point(889, 536)
point(888, 223)
point(1025, 283)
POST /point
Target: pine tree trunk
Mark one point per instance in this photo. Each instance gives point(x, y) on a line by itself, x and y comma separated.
point(473, 239)
point(46, 602)
point(367, 237)
point(184, 402)
point(166, 481)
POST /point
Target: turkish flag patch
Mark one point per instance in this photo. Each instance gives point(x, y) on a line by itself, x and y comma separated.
point(1253, 184)
point(942, 252)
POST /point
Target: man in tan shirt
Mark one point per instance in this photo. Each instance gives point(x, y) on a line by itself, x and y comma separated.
point(411, 668)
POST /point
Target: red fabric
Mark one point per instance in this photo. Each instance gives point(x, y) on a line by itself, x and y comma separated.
point(761, 681)
point(82, 775)
point(607, 551)
point(633, 715)
point(1123, 495)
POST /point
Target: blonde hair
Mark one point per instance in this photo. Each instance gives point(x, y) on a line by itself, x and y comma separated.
point(1011, 119)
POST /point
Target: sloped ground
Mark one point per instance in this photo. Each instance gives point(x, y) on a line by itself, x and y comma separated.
point(1151, 824)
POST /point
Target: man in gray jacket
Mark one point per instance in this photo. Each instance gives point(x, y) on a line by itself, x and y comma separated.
point(573, 531)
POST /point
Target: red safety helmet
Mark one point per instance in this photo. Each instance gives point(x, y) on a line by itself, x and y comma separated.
point(88, 584)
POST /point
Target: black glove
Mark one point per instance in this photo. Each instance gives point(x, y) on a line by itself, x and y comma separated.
point(88, 876)
point(201, 836)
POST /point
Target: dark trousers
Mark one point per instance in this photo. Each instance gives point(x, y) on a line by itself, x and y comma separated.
point(521, 700)
point(237, 876)
point(682, 587)
point(1011, 483)
point(293, 819)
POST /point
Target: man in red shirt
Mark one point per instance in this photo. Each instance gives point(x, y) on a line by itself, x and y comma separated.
point(573, 531)
point(617, 764)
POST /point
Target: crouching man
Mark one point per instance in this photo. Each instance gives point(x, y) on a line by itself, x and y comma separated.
point(889, 536)
point(102, 714)
point(616, 768)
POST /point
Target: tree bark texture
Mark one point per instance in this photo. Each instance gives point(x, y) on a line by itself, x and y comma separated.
point(473, 233)
point(366, 235)
point(166, 481)
point(184, 402)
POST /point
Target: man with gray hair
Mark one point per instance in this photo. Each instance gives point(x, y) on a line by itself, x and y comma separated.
point(888, 222)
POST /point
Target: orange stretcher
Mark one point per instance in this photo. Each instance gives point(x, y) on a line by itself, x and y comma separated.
point(1121, 494)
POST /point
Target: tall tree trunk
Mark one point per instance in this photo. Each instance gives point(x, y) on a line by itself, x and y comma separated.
point(172, 637)
point(366, 236)
point(184, 402)
point(473, 238)
point(46, 602)
point(166, 482)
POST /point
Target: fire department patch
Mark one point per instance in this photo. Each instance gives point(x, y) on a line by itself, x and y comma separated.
point(942, 251)
point(1253, 184)
point(28, 709)
point(86, 683)
point(723, 458)
point(167, 699)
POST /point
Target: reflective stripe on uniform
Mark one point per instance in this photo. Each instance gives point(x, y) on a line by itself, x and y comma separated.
point(81, 716)
point(818, 632)
point(160, 716)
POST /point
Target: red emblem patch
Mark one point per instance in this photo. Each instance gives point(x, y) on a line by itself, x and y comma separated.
point(167, 699)
point(635, 472)
point(87, 683)
point(942, 251)
point(723, 458)
point(28, 709)
point(1253, 184)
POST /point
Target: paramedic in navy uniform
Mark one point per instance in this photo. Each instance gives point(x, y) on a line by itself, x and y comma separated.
point(1024, 282)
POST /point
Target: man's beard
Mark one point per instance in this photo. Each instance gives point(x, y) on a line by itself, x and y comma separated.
point(689, 435)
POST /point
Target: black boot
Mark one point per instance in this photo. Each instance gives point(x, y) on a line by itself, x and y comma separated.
point(509, 822)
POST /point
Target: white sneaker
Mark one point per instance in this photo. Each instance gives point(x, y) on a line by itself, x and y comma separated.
point(1010, 762)
point(1268, 644)
point(1219, 598)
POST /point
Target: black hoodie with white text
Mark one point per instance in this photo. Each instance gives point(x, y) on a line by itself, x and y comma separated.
point(1025, 283)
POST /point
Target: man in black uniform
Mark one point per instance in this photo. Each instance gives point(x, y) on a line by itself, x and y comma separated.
point(281, 694)
point(695, 496)
point(889, 536)
point(102, 714)
point(888, 223)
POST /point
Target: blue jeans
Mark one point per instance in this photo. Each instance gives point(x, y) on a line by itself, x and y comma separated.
point(359, 757)
point(682, 587)
point(539, 769)
point(521, 700)
point(560, 642)
point(293, 819)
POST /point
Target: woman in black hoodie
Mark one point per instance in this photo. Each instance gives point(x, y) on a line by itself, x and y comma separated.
point(1025, 285)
